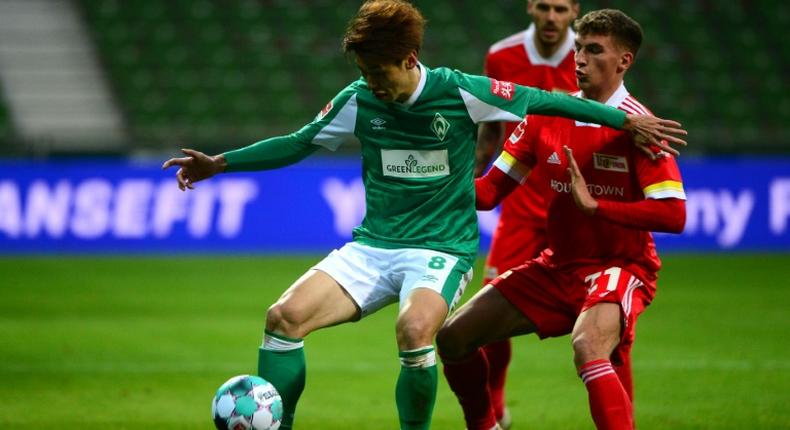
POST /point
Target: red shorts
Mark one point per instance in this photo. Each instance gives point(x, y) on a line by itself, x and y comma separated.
point(552, 298)
point(513, 245)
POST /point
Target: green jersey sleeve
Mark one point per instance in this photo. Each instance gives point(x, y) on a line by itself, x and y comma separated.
point(489, 99)
point(332, 127)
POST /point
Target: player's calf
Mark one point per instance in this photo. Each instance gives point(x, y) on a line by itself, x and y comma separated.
point(595, 336)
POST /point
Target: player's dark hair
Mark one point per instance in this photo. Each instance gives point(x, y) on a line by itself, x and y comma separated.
point(612, 22)
point(385, 31)
point(573, 2)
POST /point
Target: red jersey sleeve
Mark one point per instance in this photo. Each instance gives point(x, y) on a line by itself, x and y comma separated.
point(660, 178)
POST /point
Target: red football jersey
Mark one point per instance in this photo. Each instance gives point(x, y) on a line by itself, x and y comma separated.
point(614, 169)
point(516, 59)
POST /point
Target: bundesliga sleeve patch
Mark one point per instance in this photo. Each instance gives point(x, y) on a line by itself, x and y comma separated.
point(324, 111)
point(502, 89)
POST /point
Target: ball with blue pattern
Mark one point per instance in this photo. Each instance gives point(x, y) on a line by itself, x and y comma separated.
point(247, 402)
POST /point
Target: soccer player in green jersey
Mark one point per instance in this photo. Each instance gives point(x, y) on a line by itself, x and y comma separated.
point(416, 245)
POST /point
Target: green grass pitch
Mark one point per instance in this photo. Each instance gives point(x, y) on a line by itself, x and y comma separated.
point(142, 343)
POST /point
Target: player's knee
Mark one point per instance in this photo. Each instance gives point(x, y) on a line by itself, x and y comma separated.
point(588, 347)
point(413, 333)
point(583, 349)
point(284, 318)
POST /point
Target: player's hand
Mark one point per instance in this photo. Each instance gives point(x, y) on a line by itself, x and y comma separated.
point(581, 195)
point(650, 132)
point(195, 167)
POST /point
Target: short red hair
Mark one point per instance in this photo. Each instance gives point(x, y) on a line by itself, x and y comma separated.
point(385, 31)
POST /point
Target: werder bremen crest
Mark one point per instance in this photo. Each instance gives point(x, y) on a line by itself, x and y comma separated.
point(440, 126)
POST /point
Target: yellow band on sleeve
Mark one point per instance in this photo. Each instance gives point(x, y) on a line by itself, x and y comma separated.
point(512, 166)
point(665, 190)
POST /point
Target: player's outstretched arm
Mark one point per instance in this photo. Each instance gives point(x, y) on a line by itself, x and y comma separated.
point(271, 153)
point(651, 131)
point(196, 166)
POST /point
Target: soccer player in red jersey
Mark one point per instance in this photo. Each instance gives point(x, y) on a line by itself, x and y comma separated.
point(540, 56)
point(600, 269)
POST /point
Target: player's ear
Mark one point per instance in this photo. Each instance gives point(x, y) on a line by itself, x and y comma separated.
point(411, 60)
point(575, 9)
point(626, 60)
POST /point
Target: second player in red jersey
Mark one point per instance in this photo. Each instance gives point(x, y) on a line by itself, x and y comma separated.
point(605, 195)
point(540, 56)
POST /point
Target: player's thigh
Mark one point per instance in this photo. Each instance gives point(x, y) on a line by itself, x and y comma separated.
point(420, 316)
point(314, 301)
point(616, 297)
point(487, 317)
point(607, 311)
point(598, 329)
point(431, 284)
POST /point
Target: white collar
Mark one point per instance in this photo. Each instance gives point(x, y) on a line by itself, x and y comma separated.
point(616, 99)
point(420, 86)
point(534, 55)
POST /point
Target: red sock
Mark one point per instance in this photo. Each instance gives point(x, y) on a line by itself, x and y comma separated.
point(610, 405)
point(624, 373)
point(498, 355)
point(469, 381)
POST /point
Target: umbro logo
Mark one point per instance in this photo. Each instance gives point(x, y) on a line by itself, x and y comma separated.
point(378, 124)
point(554, 159)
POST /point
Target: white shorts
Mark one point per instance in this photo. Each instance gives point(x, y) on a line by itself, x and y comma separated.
point(376, 277)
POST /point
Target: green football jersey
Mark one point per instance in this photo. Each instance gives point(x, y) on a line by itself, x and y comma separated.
point(418, 156)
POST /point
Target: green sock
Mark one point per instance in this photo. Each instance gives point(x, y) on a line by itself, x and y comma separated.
point(415, 392)
point(285, 368)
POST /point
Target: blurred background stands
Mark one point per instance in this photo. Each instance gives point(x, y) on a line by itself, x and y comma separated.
point(218, 74)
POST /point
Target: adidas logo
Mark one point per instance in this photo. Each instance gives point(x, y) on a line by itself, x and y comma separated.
point(554, 159)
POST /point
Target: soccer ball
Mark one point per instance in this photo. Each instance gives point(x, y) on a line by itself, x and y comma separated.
point(247, 402)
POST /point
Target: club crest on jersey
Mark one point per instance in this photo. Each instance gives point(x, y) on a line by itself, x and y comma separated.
point(613, 163)
point(324, 111)
point(440, 126)
point(502, 89)
point(378, 124)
